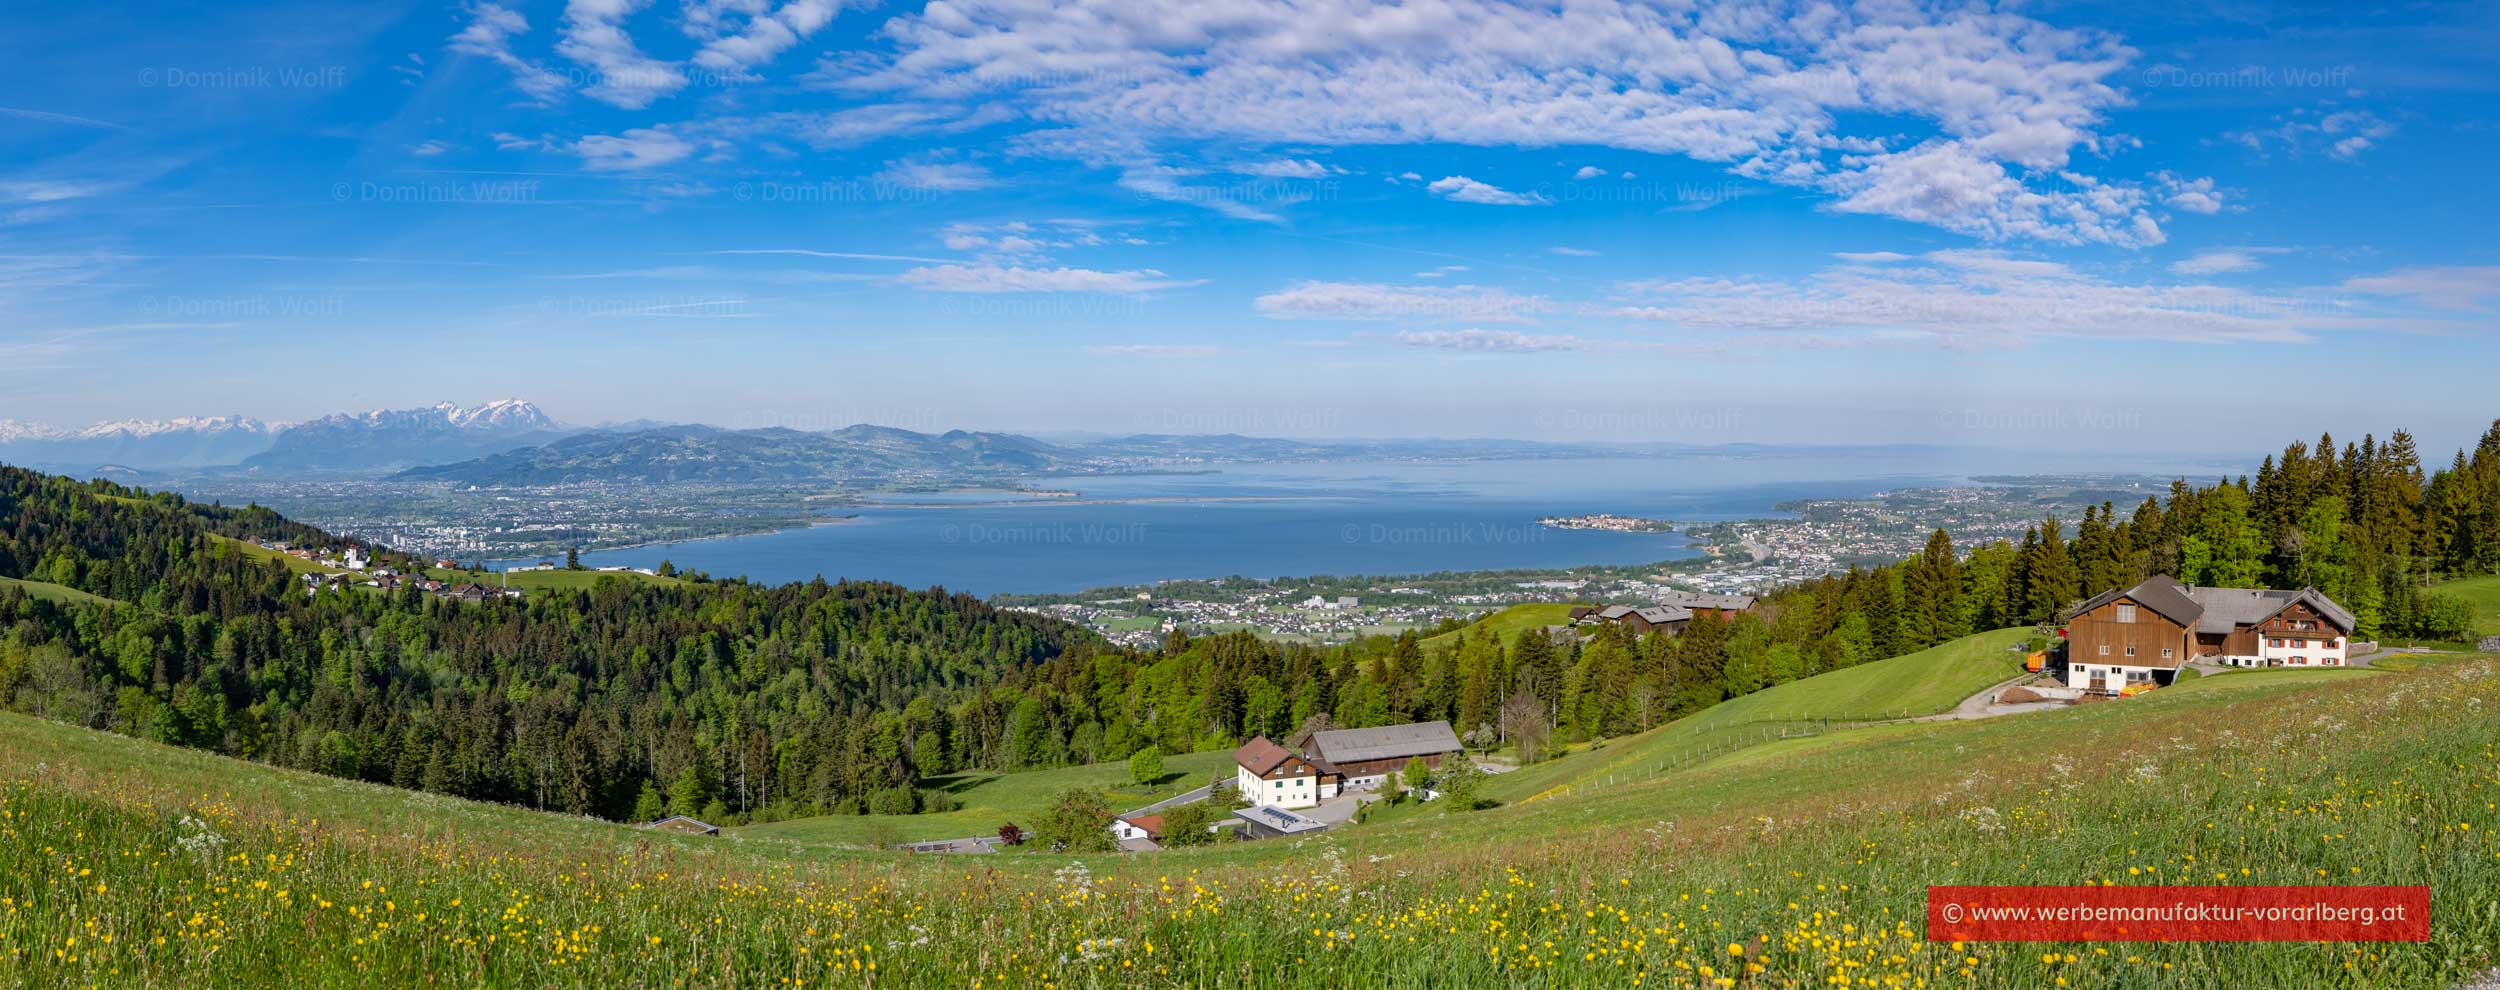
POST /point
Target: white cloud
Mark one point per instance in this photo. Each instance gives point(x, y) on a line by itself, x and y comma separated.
point(621, 75)
point(2458, 287)
point(1157, 350)
point(429, 149)
point(2191, 195)
point(1288, 168)
point(1459, 188)
point(1505, 341)
point(2221, 261)
point(1572, 252)
point(1815, 99)
point(1589, 172)
point(937, 176)
point(489, 35)
point(1441, 271)
point(1363, 301)
point(1001, 278)
point(766, 35)
point(640, 148)
point(49, 190)
point(1965, 298)
point(2341, 134)
point(1870, 257)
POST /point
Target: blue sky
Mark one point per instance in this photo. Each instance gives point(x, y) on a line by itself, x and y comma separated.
point(2186, 227)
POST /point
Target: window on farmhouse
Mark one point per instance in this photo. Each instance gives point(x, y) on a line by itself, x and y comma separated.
point(2126, 613)
point(2130, 651)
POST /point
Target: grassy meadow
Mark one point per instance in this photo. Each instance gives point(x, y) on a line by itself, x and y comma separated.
point(50, 592)
point(528, 580)
point(2484, 594)
point(1923, 683)
point(1797, 863)
point(991, 799)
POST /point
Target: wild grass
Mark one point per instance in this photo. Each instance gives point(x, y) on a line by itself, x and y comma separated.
point(50, 592)
point(1505, 623)
point(129, 864)
point(993, 799)
point(1923, 683)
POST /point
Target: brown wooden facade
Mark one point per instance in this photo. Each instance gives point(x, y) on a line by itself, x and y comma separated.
point(2125, 632)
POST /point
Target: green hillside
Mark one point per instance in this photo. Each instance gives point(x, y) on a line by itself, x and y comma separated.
point(993, 799)
point(50, 592)
point(1505, 624)
point(2483, 593)
point(530, 580)
point(1922, 683)
point(132, 864)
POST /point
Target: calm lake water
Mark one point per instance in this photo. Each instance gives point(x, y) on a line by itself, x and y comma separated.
point(1293, 520)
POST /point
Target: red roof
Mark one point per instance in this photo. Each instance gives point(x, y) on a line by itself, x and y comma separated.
point(1261, 755)
point(1153, 824)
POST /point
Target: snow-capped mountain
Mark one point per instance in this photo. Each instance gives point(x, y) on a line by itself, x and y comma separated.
point(396, 438)
point(184, 442)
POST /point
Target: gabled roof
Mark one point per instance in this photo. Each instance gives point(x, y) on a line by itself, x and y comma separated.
point(2166, 597)
point(688, 819)
point(1386, 742)
point(1152, 824)
point(2227, 609)
point(1659, 615)
point(1703, 599)
point(1261, 755)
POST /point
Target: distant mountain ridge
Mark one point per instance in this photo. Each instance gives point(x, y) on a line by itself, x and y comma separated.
point(385, 439)
point(183, 442)
point(712, 454)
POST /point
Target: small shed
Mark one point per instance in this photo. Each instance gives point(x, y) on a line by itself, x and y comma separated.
point(684, 825)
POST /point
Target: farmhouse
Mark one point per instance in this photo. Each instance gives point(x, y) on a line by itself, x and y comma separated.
point(1269, 774)
point(2139, 636)
point(1641, 619)
point(1366, 757)
point(1698, 603)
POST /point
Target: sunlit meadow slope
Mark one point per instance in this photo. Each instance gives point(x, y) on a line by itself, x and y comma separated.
point(1802, 864)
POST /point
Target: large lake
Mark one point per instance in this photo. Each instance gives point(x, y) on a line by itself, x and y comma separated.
point(1291, 520)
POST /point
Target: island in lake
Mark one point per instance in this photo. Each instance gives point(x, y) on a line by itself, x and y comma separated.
point(1609, 521)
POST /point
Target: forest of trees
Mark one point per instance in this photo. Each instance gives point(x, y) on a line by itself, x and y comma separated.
point(733, 701)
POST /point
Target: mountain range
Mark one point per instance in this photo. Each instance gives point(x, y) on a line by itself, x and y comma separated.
point(187, 442)
point(344, 442)
point(399, 438)
point(711, 454)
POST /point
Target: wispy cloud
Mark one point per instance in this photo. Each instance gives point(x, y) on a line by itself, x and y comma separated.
point(1157, 350)
point(1368, 301)
point(1501, 341)
point(2456, 287)
point(1009, 278)
point(2223, 261)
point(1461, 189)
point(634, 150)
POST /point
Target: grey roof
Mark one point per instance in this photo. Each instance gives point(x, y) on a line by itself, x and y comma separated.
point(1386, 742)
point(2217, 611)
point(1663, 614)
point(2160, 593)
point(1703, 599)
point(2227, 609)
